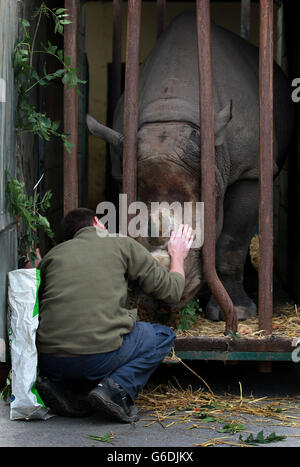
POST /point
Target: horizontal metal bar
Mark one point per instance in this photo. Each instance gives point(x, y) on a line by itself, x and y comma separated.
point(229, 356)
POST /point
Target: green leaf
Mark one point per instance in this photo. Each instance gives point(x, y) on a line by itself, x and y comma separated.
point(66, 77)
point(233, 335)
point(59, 28)
point(107, 438)
point(43, 221)
point(60, 10)
point(188, 315)
point(260, 438)
point(55, 125)
point(68, 145)
point(59, 73)
point(68, 60)
point(35, 75)
point(232, 428)
point(56, 27)
point(25, 23)
point(6, 392)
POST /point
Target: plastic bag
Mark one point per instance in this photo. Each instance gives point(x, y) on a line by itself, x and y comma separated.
point(23, 320)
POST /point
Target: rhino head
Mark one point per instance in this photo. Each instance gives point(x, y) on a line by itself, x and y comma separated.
point(168, 171)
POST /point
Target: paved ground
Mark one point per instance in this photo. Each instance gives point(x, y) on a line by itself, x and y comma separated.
point(60, 431)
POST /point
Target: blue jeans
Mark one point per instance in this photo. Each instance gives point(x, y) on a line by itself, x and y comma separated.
point(130, 366)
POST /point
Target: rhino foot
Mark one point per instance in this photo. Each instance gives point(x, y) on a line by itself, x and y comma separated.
point(244, 311)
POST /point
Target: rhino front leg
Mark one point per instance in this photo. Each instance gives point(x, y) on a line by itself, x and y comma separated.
point(239, 226)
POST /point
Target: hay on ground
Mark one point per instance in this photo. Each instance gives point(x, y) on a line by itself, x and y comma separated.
point(286, 322)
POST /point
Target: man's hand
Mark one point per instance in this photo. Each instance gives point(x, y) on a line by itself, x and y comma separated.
point(180, 242)
point(179, 246)
point(28, 264)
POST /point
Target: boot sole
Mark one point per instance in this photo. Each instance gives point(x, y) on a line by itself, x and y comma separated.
point(100, 403)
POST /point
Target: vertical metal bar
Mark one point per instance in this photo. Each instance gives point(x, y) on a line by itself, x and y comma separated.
point(71, 112)
point(265, 290)
point(161, 9)
point(245, 19)
point(116, 53)
point(131, 99)
point(208, 165)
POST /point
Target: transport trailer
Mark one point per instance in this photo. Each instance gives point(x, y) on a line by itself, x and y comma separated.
point(230, 347)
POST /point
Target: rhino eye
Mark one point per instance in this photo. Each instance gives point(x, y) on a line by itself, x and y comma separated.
point(195, 137)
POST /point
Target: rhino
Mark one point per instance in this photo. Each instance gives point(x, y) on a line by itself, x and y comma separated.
point(168, 155)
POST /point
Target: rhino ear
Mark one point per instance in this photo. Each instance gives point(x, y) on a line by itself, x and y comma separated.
point(103, 132)
point(222, 118)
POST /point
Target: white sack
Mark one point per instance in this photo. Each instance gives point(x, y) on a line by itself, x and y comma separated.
point(23, 319)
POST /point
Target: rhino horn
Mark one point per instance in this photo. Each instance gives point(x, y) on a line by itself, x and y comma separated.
point(222, 118)
point(101, 131)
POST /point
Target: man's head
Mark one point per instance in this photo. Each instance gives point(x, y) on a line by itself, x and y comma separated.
point(78, 219)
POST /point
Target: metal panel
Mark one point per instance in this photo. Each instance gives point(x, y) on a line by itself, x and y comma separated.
point(8, 242)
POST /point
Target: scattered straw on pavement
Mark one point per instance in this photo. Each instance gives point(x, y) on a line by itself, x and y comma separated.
point(170, 405)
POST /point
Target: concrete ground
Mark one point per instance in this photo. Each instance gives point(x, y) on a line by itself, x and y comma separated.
point(70, 432)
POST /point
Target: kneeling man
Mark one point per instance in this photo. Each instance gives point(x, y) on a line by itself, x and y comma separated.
point(87, 331)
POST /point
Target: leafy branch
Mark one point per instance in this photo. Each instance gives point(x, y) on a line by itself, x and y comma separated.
point(5, 394)
point(261, 439)
point(188, 315)
point(29, 212)
point(29, 209)
point(28, 119)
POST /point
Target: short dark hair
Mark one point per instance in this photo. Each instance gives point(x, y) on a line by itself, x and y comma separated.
point(75, 220)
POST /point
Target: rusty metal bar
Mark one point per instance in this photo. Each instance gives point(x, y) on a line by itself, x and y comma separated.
point(265, 286)
point(71, 113)
point(208, 166)
point(161, 10)
point(245, 19)
point(131, 99)
point(116, 53)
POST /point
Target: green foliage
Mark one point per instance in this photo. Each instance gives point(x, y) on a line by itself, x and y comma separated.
point(28, 119)
point(29, 212)
point(233, 335)
point(232, 428)
point(29, 209)
point(107, 438)
point(261, 439)
point(6, 391)
point(188, 315)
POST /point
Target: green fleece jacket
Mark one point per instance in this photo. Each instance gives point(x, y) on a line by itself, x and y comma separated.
point(84, 306)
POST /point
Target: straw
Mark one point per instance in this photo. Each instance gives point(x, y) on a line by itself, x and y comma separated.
point(175, 405)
